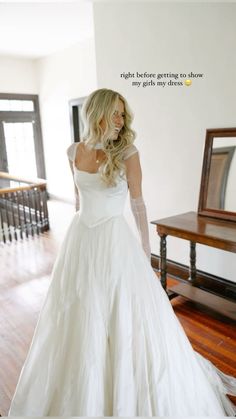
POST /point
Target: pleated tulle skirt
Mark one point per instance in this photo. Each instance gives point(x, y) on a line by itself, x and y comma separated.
point(108, 343)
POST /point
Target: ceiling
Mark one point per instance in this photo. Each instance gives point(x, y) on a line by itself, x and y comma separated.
point(34, 29)
point(37, 29)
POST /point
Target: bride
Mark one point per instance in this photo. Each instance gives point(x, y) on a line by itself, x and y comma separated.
point(107, 342)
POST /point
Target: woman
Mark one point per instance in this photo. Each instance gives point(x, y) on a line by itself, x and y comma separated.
point(107, 342)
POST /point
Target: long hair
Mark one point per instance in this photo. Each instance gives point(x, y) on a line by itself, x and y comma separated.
point(102, 103)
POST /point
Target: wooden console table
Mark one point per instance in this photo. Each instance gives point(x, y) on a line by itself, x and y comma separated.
point(197, 229)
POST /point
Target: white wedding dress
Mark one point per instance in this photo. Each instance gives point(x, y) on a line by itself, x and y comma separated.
point(107, 342)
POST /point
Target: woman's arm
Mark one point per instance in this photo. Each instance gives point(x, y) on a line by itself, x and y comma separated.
point(71, 156)
point(134, 179)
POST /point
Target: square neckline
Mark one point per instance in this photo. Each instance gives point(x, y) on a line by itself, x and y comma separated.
point(84, 171)
point(79, 170)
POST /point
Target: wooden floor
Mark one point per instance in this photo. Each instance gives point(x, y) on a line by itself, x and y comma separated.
point(24, 280)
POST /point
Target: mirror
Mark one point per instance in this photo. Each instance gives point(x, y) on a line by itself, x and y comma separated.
point(218, 184)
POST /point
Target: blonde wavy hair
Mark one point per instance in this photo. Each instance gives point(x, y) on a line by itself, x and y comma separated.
point(102, 103)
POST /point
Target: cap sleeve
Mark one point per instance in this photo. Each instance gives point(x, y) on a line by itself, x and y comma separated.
point(130, 151)
point(71, 151)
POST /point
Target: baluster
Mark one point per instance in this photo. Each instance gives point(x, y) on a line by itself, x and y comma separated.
point(19, 214)
point(42, 205)
point(13, 215)
point(2, 224)
point(35, 206)
point(46, 204)
point(45, 210)
point(23, 211)
point(7, 217)
point(40, 210)
point(24, 215)
point(28, 193)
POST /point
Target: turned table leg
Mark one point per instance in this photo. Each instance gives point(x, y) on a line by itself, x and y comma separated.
point(192, 269)
point(163, 259)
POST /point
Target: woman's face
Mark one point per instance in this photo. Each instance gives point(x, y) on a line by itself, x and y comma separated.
point(117, 118)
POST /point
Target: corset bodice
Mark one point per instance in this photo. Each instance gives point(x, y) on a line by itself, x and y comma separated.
point(98, 203)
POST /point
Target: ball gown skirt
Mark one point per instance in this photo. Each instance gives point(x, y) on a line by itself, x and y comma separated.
point(107, 342)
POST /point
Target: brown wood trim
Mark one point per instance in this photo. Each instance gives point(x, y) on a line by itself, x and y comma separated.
point(221, 215)
point(211, 133)
point(230, 246)
point(219, 304)
point(39, 183)
point(205, 230)
point(211, 283)
point(23, 188)
point(7, 175)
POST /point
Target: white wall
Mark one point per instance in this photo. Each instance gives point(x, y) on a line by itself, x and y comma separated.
point(62, 76)
point(171, 121)
point(17, 75)
point(57, 78)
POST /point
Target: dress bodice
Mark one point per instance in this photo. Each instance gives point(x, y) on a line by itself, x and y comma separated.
point(98, 203)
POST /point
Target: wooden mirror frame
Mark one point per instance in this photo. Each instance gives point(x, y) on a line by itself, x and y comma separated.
point(202, 207)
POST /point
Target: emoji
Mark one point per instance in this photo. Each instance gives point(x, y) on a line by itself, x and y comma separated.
point(188, 82)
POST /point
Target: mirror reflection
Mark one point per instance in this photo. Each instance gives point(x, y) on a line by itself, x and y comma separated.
point(221, 193)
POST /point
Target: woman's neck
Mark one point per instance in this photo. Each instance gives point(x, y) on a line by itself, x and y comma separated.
point(98, 146)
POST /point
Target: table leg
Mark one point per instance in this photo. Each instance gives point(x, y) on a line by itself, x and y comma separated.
point(192, 269)
point(163, 259)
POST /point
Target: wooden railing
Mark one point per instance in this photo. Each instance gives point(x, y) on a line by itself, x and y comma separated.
point(23, 207)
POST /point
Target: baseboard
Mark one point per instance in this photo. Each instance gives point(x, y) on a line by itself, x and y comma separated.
point(211, 283)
